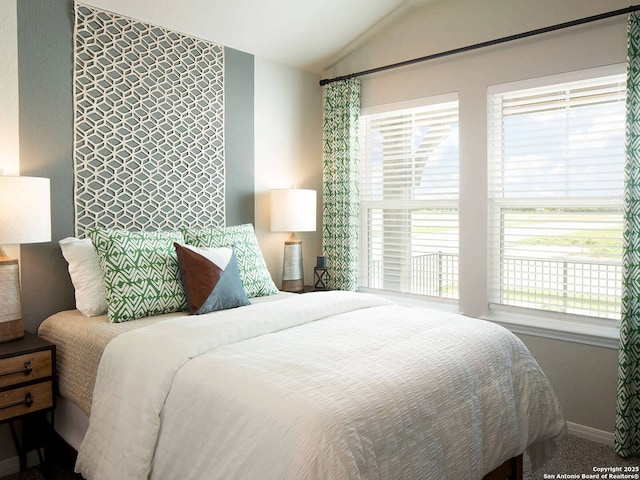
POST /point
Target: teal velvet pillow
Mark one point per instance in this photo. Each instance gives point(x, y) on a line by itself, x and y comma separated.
point(211, 278)
point(255, 276)
point(141, 272)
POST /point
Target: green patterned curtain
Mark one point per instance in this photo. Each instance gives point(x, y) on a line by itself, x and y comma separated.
point(340, 183)
point(627, 438)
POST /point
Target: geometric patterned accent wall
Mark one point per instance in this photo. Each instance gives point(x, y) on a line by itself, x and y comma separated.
point(148, 126)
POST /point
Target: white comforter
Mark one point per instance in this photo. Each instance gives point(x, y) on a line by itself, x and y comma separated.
point(329, 385)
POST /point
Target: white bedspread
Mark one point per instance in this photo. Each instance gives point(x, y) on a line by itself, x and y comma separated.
point(359, 389)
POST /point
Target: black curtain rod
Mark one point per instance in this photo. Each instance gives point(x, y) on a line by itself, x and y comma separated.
point(489, 43)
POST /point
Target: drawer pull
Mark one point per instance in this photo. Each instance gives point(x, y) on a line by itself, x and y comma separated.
point(26, 370)
point(28, 401)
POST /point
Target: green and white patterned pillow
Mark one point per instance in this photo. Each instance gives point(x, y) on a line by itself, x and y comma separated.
point(255, 276)
point(141, 273)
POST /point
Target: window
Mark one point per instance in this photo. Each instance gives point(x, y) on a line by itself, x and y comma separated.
point(556, 166)
point(409, 198)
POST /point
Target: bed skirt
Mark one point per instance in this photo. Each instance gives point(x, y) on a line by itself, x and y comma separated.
point(509, 470)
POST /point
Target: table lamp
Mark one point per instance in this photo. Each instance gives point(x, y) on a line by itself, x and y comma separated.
point(25, 217)
point(293, 210)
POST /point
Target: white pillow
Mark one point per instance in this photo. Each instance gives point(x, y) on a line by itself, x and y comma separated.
point(86, 275)
point(219, 256)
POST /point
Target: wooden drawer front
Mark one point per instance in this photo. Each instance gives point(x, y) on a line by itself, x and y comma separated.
point(12, 370)
point(41, 395)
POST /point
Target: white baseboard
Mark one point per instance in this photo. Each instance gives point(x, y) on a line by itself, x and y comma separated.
point(12, 464)
point(589, 433)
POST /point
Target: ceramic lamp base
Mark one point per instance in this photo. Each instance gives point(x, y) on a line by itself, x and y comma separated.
point(11, 324)
point(12, 330)
point(292, 272)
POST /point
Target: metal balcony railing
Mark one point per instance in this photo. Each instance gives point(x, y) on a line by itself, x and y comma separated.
point(571, 285)
point(433, 274)
point(579, 286)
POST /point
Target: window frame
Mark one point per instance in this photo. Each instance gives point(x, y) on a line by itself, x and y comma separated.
point(474, 260)
point(591, 330)
point(365, 205)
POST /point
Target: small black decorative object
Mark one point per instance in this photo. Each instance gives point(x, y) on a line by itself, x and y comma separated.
point(320, 274)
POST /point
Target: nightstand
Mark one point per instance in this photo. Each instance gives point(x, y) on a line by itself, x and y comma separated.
point(311, 288)
point(27, 391)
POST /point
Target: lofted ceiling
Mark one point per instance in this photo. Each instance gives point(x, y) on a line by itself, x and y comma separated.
point(306, 34)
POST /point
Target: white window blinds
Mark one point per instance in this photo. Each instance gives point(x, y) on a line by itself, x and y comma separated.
point(556, 161)
point(409, 199)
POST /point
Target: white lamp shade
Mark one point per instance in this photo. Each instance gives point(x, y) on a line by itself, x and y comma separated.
point(25, 210)
point(293, 210)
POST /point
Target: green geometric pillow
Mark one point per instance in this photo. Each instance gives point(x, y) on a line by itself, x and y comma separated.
point(255, 276)
point(141, 272)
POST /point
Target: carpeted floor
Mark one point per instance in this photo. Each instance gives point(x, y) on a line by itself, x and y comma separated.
point(579, 456)
point(576, 456)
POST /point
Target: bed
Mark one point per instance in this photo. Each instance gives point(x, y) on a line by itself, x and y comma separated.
point(324, 385)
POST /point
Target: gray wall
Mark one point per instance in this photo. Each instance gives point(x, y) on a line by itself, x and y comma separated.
point(239, 136)
point(578, 393)
point(45, 56)
point(45, 112)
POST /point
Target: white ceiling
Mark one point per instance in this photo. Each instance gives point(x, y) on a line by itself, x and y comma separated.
point(307, 34)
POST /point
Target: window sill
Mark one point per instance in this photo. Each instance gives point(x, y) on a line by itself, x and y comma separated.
point(566, 329)
point(607, 336)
